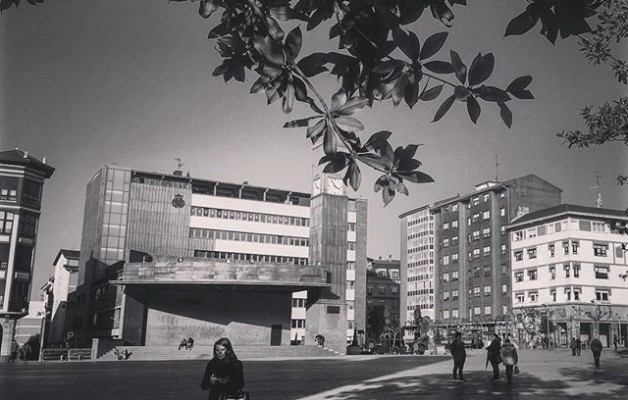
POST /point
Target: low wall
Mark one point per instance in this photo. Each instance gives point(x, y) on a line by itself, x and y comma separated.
point(100, 346)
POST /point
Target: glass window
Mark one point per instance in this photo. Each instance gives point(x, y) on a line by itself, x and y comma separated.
point(601, 272)
point(600, 250)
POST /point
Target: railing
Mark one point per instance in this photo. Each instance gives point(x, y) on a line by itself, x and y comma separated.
point(66, 354)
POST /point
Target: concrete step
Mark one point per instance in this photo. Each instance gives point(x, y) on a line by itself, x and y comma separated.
point(146, 353)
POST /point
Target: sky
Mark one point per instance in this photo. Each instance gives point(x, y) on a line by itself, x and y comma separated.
point(86, 83)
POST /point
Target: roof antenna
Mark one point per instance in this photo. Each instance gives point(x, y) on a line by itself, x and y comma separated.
point(497, 164)
point(179, 171)
point(598, 201)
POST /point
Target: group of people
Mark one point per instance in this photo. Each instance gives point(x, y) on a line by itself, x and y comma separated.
point(506, 353)
point(186, 344)
point(496, 354)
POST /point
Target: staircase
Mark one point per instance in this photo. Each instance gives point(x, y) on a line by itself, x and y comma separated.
point(154, 353)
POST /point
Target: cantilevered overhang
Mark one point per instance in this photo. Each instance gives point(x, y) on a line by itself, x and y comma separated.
point(220, 275)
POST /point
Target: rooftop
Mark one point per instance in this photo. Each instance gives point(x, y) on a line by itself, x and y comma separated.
point(19, 157)
point(570, 209)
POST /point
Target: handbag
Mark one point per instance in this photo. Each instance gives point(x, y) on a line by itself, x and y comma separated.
point(516, 369)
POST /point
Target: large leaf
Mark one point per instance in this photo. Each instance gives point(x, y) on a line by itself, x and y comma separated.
point(444, 107)
point(506, 114)
point(439, 67)
point(491, 93)
point(519, 83)
point(416, 177)
point(432, 45)
point(432, 93)
point(313, 64)
point(377, 140)
point(481, 68)
point(293, 42)
point(348, 124)
point(353, 177)
point(372, 160)
point(300, 123)
point(473, 108)
point(459, 67)
point(407, 42)
point(351, 106)
point(521, 24)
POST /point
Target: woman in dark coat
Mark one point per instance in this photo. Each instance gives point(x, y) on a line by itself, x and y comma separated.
point(494, 356)
point(224, 373)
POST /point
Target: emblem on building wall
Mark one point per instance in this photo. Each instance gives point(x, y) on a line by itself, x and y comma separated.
point(178, 201)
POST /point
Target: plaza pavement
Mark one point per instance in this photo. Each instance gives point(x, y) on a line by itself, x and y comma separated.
point(544, 375)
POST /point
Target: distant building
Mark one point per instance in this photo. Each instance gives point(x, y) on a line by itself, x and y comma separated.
point(566, 263)
point(137, 217)
point(31, 323)
point(21, 185)
point(465, 238)
point(55, 291)
point(382, 290)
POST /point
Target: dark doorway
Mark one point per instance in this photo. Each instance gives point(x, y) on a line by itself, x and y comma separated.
point(275, 335)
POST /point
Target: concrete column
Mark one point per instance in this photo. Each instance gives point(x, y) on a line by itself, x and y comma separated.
point(8, 333)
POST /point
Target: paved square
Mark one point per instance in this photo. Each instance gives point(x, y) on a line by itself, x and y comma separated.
point(544, 375)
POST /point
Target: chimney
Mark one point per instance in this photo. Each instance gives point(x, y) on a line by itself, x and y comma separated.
point(178, 173)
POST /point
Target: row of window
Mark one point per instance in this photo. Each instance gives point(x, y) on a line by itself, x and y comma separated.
point(381, 290)
point(601, 272)
point(420, 263)
point(599, 250)
point(298, 303)
point(420, 248)
point(8, 194)
point(555, 227)
point(223, 255)
point(533, 296)
point(28, 224)
point(254, 217)
point(250, 237)
point(475, 311)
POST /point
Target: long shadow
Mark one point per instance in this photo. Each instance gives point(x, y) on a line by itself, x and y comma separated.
point(600, 385)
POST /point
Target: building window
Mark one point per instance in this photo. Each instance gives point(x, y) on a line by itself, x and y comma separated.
point(601, 272)
point(454, 276)
point(6, 222)
point(532, 274)
point(502, 229)
point(574, 247)
point(552, 250)
point(504, 249)
point(566, 247)
point(475, 201)
point(532, 253)
point(553, 295)
point(454, 313)
point(600, 250)
point(520, 297)
point(576, 271)
point(504, 269)
point(454, 257)
point(487, 270)
point(585, 226)
point(454, 207)
point(446, 277)
point(504, 288)
point(446, 295)
point(486, 251)
point(487, 310)
point(485, 197)
point(518, 276)
point(576, 294)
point(552, 271)
point(602, 295)
point(502, 212)
point(486, 232)
point(486, 215)
point(519, 255)
point(566, 267)
point(454, 240)
point(531, 232)
point(454, 294)
point(475, 217)
point(475, 235)
point(446, 260)
point(476, 310)
point(487, 290)
point(454, 224)
point(476, 253)
point(568, 294)
point(476, 291)
point(446, 226)
point(534, 296)
point(445, 242)
point(598, 227)
point(476, 272)
point(517, 236)
point(445, 314)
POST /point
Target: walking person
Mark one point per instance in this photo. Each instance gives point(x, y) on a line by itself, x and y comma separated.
point(460, 355)
point(578, 347)
point(510, 358)
point(615, 341)
point(224, 376)
point(572, 346)
point(493, 355)
point(596, 349)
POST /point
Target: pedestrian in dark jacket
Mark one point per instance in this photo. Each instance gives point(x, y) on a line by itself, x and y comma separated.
point(509, 358)
point(493, 356)
point(596, 349)
point(572, 346)
point(578, 347)
point(224, 373)
point(459, 354)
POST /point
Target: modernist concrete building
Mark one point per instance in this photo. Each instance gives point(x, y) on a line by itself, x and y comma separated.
point(566, 263)
point(21, 184)
point(464, 237)
point(55, 292)
point(150, 217)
